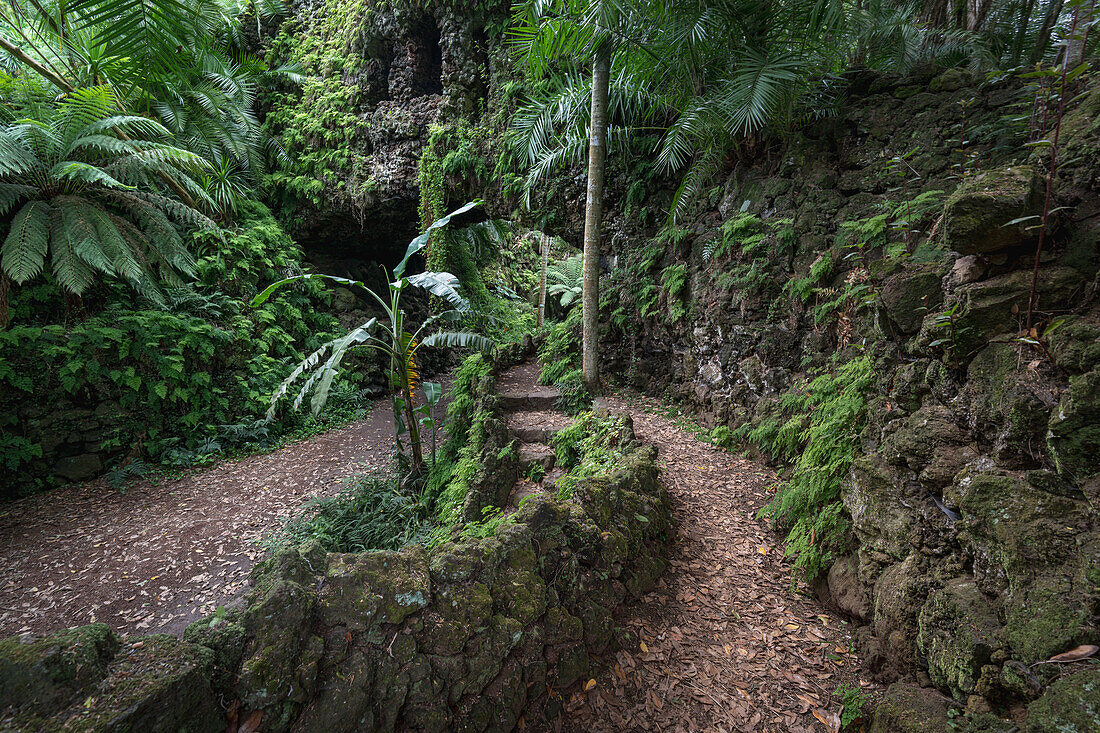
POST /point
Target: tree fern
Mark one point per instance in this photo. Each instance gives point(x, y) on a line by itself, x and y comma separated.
point(73, 179)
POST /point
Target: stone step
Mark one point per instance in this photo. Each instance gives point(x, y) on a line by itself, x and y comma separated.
point(550, 480)
point(535, 454)
point(543, 398)
point(528, 434)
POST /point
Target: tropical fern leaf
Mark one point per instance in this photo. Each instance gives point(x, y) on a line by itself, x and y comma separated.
point(25, 247)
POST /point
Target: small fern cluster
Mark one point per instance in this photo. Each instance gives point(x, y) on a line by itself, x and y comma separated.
point(817, 427)
point(591, 446)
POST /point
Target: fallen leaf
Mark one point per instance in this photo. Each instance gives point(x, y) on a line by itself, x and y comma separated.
point(1082, 652)
point(589, 685)
point(831, 721)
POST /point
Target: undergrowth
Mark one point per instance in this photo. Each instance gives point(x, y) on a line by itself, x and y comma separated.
point(817, 427)
point(591, 446)
point(457, 461)
point(373, 513)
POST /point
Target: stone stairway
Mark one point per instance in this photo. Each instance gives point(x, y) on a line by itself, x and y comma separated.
point(533, 418)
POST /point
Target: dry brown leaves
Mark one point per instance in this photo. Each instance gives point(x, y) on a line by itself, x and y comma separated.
point(154, 558)
point(722, 644)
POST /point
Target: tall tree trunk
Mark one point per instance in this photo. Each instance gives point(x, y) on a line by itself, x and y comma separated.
point(1053, 11)
point(544, 245)
point(593, 214)
point(1021, 32)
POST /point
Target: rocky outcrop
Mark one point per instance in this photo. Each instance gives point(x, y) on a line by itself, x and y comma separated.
point(86, 679)
point(380, 76)
point(972, 552)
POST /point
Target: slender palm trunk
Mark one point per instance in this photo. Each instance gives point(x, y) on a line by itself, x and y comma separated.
point(1054, 10)
point(544, 243)
point(597, 153)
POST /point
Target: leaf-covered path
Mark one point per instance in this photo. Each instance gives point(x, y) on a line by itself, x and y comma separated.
point(153, 558)
point(722, 643)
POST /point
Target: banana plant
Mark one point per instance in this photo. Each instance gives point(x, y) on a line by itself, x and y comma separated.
point(390, 335)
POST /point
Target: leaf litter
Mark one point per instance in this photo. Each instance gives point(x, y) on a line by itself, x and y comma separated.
point(722, 643)
point(153, 558)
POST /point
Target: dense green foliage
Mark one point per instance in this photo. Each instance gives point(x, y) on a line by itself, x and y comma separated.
point(449, 482)
point(80, 182)
point(372, 513)
point(591, 446)
point(816, 428)
point(170, 374)
point(717, 78)
point(318, 124)
point(390, 335)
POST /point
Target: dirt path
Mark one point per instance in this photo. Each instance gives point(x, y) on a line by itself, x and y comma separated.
point(154, 558)
point(723, 644)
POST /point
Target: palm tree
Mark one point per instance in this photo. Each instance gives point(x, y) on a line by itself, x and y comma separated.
point(391, 336)
point(83, 182)
point(549, 31)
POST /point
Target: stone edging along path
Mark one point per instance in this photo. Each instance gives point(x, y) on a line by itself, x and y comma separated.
point(530, 628)
point(476, 634)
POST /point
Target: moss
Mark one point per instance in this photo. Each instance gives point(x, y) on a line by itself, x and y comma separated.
point(1071, 704)
point(1074, 429)
point(1047, 618)
point(155, 683)
point(958, 634)
point(41, 675)
point(363, 591)
point(456, 615)
point(224, 637)
point(910, 709)
point(979, 209)
point(1075, 345)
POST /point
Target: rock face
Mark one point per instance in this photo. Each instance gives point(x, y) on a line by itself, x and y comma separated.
point(381, 75)
point(85, 679)
point(972, 493)
point(979, 214)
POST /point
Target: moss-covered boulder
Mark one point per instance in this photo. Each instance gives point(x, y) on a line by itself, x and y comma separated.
point(910, 295)
point(906, 708)
point(1075, 345)
point(279, 670)
point(154, 683)
point(1074, 428)
point(898, 595)
point(41, 675)
point(226, 638)
point(885, 523)
point(1007, 406)
point(958, 634)
point(980, 208)
point(1036, 550)
point(990, 309)
point(364, 591)
point(1070, 704)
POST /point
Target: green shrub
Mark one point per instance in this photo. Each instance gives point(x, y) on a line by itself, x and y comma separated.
point(591, 446)
point(575, 396)
point(560, 351)
point(181, 374)
point(457, 462)
point(372, 513)
point(853, 700)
